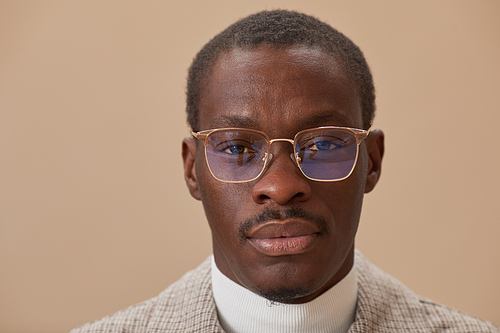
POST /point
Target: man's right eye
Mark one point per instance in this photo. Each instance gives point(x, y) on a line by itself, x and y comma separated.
point(235, 149)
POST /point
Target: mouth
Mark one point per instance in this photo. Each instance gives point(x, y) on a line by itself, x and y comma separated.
point(280, 238)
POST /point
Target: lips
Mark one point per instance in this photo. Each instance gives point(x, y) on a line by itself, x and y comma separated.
point(278, 238)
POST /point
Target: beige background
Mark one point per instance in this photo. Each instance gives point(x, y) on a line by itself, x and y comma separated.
point(94, 214)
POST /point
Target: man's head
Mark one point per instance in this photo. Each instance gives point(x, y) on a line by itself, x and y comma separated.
point(279, 29)
point(282, 235)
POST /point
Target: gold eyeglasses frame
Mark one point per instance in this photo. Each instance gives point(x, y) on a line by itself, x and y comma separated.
point(359, 134)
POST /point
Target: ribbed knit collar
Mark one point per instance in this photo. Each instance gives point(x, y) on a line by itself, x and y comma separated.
point(239, 310)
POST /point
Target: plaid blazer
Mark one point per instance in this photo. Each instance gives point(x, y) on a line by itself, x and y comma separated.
point(384, 305)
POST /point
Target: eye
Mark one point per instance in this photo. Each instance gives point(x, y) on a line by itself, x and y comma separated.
point(323, 145)
point(235, 149)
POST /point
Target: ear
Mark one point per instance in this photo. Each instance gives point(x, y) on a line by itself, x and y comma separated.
point(189, 157)
point(375, 149)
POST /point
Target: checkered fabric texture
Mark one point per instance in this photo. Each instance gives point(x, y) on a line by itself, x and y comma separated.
point(384, 305)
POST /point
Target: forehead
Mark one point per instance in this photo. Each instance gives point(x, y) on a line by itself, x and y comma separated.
point(266, 88)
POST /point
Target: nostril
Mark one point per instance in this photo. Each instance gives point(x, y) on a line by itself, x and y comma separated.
point(264, 197)
point(298, 195)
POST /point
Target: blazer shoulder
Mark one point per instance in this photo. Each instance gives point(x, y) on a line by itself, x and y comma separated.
point(134, 316)
point(445, 319)
point(387, 305)
point(169, 303)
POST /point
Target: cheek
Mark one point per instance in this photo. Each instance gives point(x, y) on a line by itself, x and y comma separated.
point(356, 190)
point(222, 202)
point(345, 198)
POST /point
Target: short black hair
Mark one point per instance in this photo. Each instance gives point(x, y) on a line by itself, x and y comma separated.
point(281, 28)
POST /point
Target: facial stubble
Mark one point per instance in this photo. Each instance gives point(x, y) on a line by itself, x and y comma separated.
point(283, 294)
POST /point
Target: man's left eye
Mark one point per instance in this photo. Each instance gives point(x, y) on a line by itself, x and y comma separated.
point(323, 145)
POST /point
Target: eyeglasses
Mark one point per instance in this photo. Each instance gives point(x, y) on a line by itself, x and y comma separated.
point(237, 155)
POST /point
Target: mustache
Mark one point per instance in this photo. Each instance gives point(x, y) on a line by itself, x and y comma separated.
point(275, 214)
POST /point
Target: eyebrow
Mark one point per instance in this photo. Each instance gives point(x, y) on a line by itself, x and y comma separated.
point(233, 121)
point(329, 117)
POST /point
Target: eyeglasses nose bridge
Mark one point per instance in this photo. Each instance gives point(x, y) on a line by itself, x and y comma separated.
point(292, 142)
point(286, 140)
point(268, 157)
point(293, 156)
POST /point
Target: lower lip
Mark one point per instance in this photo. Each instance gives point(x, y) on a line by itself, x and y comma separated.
point(282, 246)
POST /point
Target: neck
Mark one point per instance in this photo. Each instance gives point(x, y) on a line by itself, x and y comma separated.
point(240, 310)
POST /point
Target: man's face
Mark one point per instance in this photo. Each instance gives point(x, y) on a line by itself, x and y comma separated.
point(282, 236)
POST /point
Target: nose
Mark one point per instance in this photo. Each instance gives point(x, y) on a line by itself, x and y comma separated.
point(282, 181)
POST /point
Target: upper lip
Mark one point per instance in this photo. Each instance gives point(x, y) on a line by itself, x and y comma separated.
point(282, 228)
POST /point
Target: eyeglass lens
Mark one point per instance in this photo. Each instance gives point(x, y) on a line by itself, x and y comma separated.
point(326, 154)
point(322, 154)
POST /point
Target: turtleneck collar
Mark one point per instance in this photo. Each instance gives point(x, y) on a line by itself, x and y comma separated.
point(240, 310)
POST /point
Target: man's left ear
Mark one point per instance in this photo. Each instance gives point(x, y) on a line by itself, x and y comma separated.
point(375, 149)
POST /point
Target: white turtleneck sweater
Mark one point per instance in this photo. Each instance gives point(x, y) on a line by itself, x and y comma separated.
point(240, 310)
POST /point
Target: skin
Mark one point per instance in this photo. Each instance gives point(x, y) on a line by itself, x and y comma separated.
point(281, 91)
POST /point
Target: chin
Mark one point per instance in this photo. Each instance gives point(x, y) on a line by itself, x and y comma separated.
point(285, 295)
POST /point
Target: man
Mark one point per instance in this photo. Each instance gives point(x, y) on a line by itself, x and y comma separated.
point(281, 106)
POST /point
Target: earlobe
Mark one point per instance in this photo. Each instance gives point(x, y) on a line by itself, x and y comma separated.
point(189, 158)
point(375, 149)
